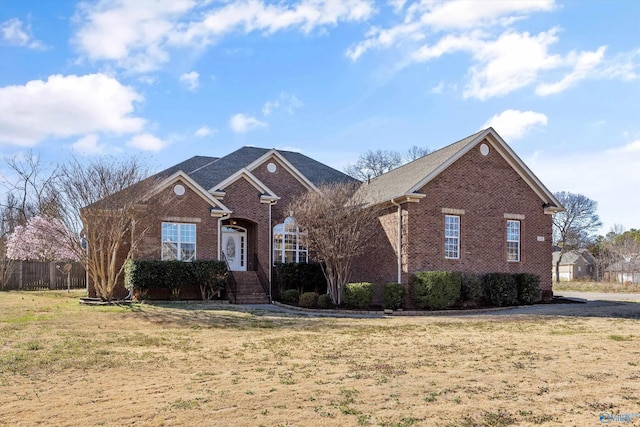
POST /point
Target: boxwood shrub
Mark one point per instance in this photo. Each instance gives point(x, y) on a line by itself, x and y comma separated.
point(528, 286)
point(435, 290)
point(324, 301)
point(392, 294)
point(501, 289)
point(358, 295)
point(291, 295)
point(308, 300)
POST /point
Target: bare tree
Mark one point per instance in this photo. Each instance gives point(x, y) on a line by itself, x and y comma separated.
point(574, 227)
point(374, 163)
point(339, 228)
point(30, 187)
point(415, 153)
point(105, 215)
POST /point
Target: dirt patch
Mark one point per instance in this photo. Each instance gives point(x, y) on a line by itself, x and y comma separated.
point(70, 365)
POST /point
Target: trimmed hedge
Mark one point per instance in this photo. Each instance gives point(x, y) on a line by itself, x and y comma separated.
point(308, 300)
point(528, 288)
point(144, 275)
point(471, 289)
point(324, 301)
point(435, 290)
point(305, 277)
point(501, 289)
point(358, 295)
point(392, 294)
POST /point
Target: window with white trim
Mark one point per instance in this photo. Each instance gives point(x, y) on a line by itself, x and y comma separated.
point(452, 236)
point(513, 240)
point(289, 242)
point(178, 241)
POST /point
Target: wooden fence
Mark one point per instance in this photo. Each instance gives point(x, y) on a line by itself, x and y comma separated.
point(36, 275)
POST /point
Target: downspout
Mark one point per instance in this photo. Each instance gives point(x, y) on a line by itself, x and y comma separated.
point(271, 203)
point(393, 202)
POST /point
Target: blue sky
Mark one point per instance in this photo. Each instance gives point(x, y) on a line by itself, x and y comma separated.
point(169, 79)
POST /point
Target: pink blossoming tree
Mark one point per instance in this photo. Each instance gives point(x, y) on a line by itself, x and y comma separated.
point(41, 239)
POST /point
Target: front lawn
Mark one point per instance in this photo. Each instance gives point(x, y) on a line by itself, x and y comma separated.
point(66, 364)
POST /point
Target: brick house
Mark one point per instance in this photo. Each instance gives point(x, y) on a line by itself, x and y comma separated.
point(471, 206)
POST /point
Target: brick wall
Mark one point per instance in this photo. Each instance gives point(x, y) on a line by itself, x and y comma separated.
point(485, 188)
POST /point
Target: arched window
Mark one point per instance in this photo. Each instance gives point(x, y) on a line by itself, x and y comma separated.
point(289, 242)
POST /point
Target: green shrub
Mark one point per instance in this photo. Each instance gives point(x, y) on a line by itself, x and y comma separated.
point(501, 289)
point(324, 301)
point(210, 276)
point(471, 288)
point(305, 277)
point(392, 294)
point(436, 290)
point(528, 286)
point(143, 275)
point(291, 295)
point(308, 300)
point(358, 295)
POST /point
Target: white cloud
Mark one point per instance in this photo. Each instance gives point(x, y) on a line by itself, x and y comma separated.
point(584, 64)
point(88, 145)
point(285, 101)
point(502, 59)
point(423, 18)
point(204, 131)
point(514, 124)
point(242, 123)
point(64, 106)
point(148, 80)
point(190, 80)
point(147, 142)
point(138, 35)
point(612, 177)
point(437, 89)
point(15, 33)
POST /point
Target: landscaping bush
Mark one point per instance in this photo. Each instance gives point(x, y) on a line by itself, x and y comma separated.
point(471, 289)
point(392, 294)
point(210, 276)
point(308, 300)
point(528, 286)
point(358, 295)
point(435, 290)
point(291, 295)
point(305, 277)
point(501, 289)
point(324, 301)
point(144, 275)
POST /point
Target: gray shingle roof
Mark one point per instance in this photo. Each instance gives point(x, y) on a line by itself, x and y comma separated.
point(401, 180)
point(210, 171)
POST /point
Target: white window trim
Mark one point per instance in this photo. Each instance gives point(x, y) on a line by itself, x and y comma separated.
point(299, 248)
point(457, 238)
point(179, 242)
point(515, 241)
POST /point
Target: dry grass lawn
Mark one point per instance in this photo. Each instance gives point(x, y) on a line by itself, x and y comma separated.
point(64, 364)
point(589, 286)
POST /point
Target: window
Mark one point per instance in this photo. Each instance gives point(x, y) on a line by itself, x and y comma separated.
point(289, 242)
point(178, 241)
point(452, 236)
point(513, 240)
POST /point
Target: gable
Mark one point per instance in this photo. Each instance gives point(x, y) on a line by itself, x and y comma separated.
point(407, 180)
point(266, 194)
point(181, 178)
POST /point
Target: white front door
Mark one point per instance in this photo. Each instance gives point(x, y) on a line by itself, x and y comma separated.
point(234, 247)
